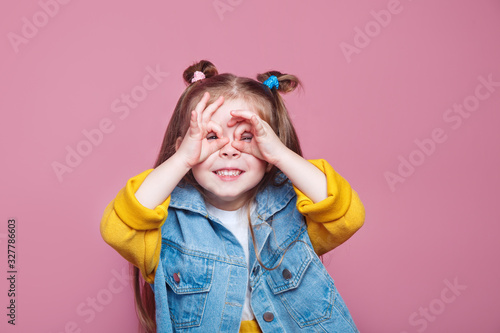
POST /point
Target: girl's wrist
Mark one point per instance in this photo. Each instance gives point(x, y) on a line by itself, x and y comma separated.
point(283, 157)
point(179, 160)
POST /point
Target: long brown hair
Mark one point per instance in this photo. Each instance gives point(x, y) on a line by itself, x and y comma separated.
point(271, 108)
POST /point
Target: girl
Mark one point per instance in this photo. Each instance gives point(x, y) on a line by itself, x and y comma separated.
point(227, 228)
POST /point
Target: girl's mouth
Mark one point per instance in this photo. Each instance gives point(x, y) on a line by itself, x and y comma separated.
point(228, 173)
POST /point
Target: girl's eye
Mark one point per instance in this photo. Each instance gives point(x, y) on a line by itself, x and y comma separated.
point(212, 136)
point(246, 137)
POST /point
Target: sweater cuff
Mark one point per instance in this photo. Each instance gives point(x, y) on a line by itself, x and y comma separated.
point(132, 212)
point(335, 205)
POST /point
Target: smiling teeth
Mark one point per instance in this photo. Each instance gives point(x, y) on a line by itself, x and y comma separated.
point(232, 173)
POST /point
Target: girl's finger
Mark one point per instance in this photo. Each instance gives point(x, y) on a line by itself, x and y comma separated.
point(242, 146)
point(216, 145)
point(215, 128)
point(208, 112)
point(219, 143)
point(247, 114)
point(194, 129)
point(242, 128)
point(258, 126)
point(253, 120)
point(202, 103)
point(201, 106)
point(239, 116)
point(234, 120)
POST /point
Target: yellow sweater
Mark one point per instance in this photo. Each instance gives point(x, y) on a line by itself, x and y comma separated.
point(135, 231)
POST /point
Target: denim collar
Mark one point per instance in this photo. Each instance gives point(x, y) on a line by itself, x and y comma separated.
point(269, 201)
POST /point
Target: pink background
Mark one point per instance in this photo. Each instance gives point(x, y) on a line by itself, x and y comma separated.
point(362, 111)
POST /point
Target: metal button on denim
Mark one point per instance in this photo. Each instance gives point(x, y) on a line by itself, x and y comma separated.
point(268, 316)
point(177, 278)
point(287, 275)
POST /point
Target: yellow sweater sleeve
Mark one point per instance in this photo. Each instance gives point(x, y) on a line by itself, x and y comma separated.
point(335, 219)
point(134, 230)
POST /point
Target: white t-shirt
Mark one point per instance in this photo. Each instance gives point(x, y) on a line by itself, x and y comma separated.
point(236, 221)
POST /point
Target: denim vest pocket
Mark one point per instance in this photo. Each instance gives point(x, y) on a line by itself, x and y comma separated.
point(312, 303)
point(188, 280)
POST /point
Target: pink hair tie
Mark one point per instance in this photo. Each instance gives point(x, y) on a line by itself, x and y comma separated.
point(197, 76)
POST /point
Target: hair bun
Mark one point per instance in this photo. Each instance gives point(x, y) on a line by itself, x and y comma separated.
point(204, 66)
point(287, 82)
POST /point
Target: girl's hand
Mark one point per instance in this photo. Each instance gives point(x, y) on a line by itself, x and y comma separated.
point(256, 137)
point(204, 137)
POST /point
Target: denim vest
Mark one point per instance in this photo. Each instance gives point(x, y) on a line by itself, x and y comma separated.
point(202, 276)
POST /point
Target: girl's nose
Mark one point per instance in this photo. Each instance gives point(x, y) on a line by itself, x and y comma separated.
point(229, 151)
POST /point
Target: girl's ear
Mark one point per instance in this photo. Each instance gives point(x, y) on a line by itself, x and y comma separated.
point(178, 143)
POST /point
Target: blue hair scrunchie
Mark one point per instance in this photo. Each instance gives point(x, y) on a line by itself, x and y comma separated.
point(272, 82)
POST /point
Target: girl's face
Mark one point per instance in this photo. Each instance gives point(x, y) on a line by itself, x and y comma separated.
point(228, 174)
